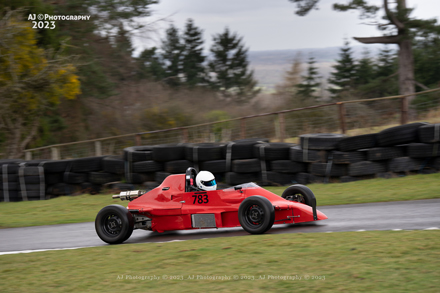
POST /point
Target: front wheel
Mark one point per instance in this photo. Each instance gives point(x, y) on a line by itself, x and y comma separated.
point(256, 214)
point(114, 224)
point(301, 194)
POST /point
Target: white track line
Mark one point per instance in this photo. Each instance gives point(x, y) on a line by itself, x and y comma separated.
point(40, 250)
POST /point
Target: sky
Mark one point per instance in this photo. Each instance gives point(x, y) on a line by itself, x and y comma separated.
point(271, 24)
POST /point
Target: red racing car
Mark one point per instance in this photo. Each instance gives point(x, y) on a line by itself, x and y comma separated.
point(174, 206)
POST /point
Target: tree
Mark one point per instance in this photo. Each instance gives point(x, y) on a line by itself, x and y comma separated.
point(193, 58)
point(310, 82)
point(172, 54)
point(342, 78)
point(292, 77)
point(399, 29)
point(150, 65)
point(364, 70)
point(382, 81)
point(32, 80)
point(228, 68)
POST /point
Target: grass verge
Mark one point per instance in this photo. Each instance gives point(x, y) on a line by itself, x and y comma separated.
point(83, 208)
point(378, 261)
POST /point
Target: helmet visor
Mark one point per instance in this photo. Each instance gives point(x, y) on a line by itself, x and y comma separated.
point(209, 183)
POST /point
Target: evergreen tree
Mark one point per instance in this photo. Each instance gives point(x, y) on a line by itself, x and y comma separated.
point(150, 65)
point(228, 68)
point(193, 58)
point(427, 61)
point(386, 63)
point(399, 28)
point(310, 83)
point(364, 70)
point(343, 78)
point(171, 57)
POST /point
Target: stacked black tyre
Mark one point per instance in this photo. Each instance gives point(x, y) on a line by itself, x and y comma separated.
point(10, 186)
point(241, 163)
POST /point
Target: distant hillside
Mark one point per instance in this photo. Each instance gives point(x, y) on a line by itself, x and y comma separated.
point(269, 66)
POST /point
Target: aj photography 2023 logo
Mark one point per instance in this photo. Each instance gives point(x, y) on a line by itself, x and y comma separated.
point(47, 21)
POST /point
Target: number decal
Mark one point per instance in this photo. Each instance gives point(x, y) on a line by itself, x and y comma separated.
point(200, 198)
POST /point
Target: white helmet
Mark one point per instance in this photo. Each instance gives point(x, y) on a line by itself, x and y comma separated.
point(205, 180)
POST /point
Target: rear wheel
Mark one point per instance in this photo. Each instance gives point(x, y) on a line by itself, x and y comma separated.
point(256, 214)
point(114, 224)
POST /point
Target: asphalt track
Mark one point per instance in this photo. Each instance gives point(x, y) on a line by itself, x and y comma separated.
point(402, 215)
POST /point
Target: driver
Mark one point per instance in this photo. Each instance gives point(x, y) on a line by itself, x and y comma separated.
point(205, 180)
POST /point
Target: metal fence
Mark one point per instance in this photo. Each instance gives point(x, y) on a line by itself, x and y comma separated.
point(347, 116)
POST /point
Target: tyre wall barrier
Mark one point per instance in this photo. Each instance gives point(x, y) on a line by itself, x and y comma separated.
point(319, 158)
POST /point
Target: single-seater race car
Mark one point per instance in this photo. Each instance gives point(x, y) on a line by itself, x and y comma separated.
point(177, 205)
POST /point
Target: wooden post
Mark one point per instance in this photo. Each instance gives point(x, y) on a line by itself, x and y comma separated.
point(28, 156)
point(98, 148)
point(404, 113)
point(282, 126)
point(243, 128)
point(138, 140)
point(185, 134)
point(55, 153)
point(342, 113)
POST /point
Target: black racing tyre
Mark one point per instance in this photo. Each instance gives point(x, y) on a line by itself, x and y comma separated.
point(88, 187)
point(32, 179)
point(303, 178)
point(297, 154)
point(429, 133)
point(9, 168)
point(55, 166)
point(233, 178)
point(178, 167)
point(89, 164)
point(114, 224)
point(399, 134)
point(147, 166)
point(74, 178)
point(301, 194)
point(246, 166)
point(405, 164)
point(8, 177)
point(168, 152)
point(385, 153)
point(53, 178)
point(242, 149)
point(286, 166)
point(138, 153)
point(272, 151)
point(35, 163)
point(10, 161)
point(423, 150)
point(256, 214)
point(204, 152)
point(10, 185)
point(348, 157)
point(103, 177)
point(33, 187)
point(217, 166)
point(366, 168)
point(357, 142)
point(160, 176)
point(113, 164)
point(278, 179)
point(139, 178)
point(320, 141)
point(321, 169)
point(30, 171)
